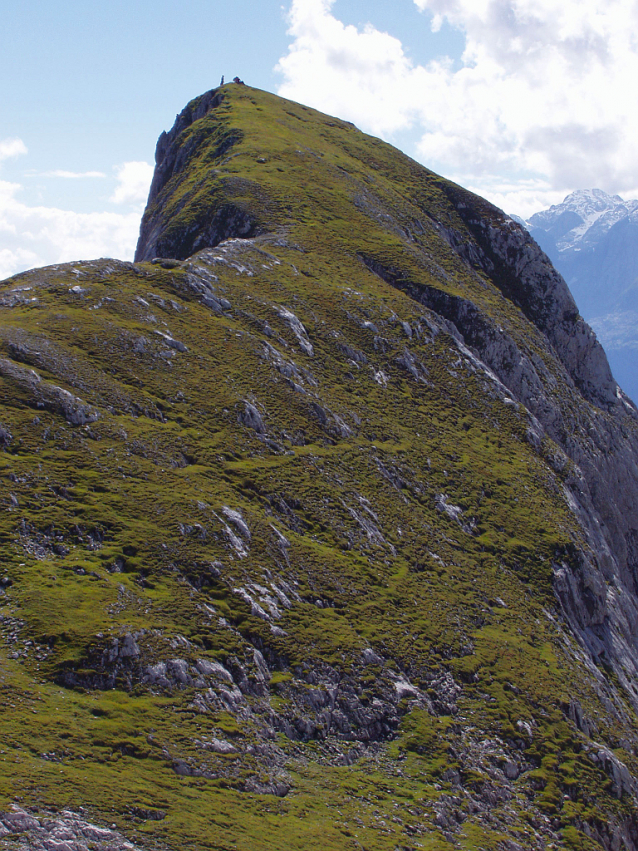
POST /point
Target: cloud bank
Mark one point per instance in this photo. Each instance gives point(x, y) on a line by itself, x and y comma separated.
point(11, 148)
point(133, 182)
point(541, 102)
point(32, 236)
point(73, 175)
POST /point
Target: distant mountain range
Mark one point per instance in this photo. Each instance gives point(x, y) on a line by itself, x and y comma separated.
point(592, 239)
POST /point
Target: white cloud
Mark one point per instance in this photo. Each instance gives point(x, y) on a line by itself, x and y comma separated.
point(72, 175)
point(524, 197)
point(133, 183)
point(346, 71)
point(39, 236)
point(11, 148)
point(32, 236)
point(544, 90)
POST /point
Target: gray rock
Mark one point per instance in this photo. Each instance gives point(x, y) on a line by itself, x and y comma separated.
point(371, 658)
point(352, 354)
point(5, 436)
point(65, 831)
point(128, 647)
point(177, 671)
point(42, 394)
point(297, 329)
point(213, 669)
point(218, 746)
point(251, 417)
point(623, 781)
point(183, 769)
point(235, 517)
point(171, 342)
point(319, 413)
point(156, 675)
point(19, 821)
point(576, 714)
point(511, 770)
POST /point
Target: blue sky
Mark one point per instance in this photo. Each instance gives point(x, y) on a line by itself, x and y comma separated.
point(94, 83)
point(522, 101)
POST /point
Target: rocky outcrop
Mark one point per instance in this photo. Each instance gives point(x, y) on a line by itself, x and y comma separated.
point(571, 399)
point(22, 830)
point(525, 276)
point(591, 237)
point(598, 435)
point(166, 233)
point(44, 395)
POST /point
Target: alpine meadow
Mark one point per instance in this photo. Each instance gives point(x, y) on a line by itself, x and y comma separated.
point(320, 519)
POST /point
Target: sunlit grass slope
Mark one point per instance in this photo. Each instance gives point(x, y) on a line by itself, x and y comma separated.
point(266, 457)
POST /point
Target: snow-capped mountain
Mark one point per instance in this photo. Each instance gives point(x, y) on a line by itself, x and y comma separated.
point(583, 219)
point(592, 239)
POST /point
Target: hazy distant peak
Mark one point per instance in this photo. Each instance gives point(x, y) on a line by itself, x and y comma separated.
point(588, 198)
point(592, 238)
point(584, 216)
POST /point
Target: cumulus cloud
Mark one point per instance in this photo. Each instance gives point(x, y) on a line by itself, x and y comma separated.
point(543, 91)
point(11, 148)
point(347, 71)
point(133, 183)
point(72, 175)
point(32, 235)
point(38, 236)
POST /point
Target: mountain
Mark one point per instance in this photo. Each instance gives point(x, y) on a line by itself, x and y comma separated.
point(592, 238)
point(320, 520)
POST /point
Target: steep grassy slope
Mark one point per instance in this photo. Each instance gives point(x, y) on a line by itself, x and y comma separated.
point(280, 553)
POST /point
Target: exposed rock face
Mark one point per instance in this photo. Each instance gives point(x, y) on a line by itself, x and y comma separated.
point(206, 225)
point(66, 831)
point(599, 596)
point(592, 238)
point(41, 394)
point(342, 519)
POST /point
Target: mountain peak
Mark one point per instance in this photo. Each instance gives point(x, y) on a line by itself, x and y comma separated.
point(581, 218)
point(591, 238)
point(321, 518)
point(590, 204)
point(592, 197)
point(229, 167)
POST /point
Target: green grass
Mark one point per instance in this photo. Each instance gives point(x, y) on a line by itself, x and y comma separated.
point(142, 490)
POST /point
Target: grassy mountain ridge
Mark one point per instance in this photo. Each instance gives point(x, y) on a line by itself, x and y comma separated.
point(283, 546)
